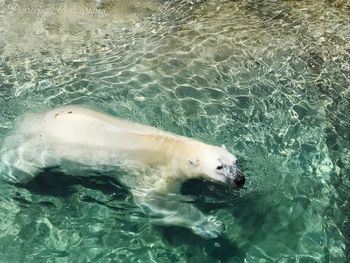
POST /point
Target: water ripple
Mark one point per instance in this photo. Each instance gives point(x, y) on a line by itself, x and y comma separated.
point(268, 79)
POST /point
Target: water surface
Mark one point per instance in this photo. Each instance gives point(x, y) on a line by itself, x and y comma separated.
point(269, 79)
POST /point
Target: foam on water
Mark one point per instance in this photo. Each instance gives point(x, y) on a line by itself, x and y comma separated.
point(269, 79)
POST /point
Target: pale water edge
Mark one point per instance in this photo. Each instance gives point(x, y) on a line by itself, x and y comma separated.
point(269, 79)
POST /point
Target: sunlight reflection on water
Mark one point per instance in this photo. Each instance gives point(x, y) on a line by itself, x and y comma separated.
point(269, 79)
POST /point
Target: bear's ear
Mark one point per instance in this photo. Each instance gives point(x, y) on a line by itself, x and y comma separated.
point(195, 162)
point(223, 146)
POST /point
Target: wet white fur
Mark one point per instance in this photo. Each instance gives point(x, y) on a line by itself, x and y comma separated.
point(160, 161)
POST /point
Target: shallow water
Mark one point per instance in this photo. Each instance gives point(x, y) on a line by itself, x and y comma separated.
point(269, 79)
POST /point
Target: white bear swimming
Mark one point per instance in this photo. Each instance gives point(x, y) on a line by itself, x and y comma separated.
point(157, 161)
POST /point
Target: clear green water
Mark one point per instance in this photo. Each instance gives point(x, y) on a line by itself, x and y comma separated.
point(269, 79)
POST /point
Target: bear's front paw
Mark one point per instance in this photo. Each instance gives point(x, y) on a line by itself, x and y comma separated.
point(209, 228)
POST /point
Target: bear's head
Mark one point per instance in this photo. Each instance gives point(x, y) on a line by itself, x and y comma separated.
point(218, 165)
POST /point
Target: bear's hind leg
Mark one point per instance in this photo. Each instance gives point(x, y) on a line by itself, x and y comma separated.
point(15, 169)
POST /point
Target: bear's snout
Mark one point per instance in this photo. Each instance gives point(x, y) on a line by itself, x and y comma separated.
point(233, 175)
point(239, 179)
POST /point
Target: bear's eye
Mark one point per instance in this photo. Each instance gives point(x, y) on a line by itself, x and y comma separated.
point(219, 167)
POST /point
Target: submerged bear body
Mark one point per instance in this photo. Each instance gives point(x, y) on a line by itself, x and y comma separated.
point(157, 161)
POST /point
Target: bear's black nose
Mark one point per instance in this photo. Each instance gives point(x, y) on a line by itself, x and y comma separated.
point(239, 179)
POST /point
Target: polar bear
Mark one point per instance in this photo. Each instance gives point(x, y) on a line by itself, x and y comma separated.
point(157, 161)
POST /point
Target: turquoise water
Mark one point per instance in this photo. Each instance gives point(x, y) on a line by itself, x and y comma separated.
point(269, 79)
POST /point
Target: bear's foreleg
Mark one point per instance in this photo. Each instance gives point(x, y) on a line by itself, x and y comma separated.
point(167, 209)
